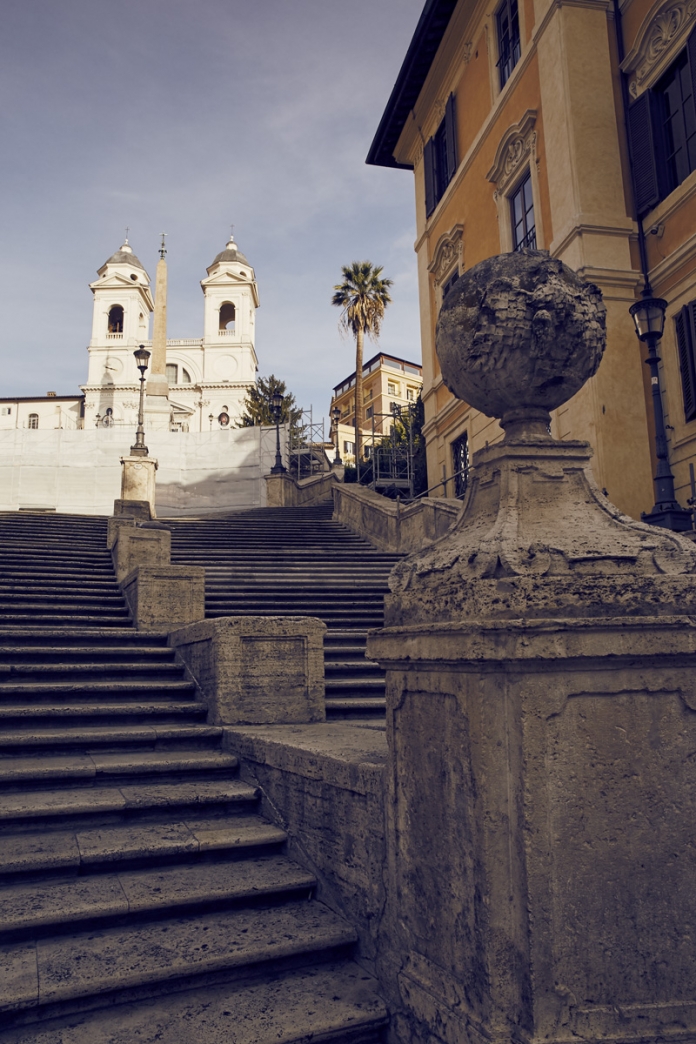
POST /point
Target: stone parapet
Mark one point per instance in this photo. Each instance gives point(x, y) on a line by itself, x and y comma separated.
point(285, 491)
point(389, 525)
point(164, 597)
point(256, 669)
point(132, 546)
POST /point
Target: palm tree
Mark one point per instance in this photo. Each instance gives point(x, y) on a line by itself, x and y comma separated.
point(363, 295)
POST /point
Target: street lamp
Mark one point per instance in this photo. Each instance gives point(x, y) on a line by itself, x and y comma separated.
point(140, 449)
point(276, 410)
point(648, 314)
point(336, 414)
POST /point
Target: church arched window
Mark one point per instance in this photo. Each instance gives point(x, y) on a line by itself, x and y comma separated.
point(227, 316)
point(33, 420)
point(115, 324)
point(185, 376)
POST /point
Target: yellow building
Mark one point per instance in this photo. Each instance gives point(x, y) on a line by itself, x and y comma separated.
point(387, 381)
point(515, 119)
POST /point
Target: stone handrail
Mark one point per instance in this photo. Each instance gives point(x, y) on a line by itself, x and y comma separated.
point(285, 491)
point(387, 524)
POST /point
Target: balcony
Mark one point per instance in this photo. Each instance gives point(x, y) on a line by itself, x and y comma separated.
point(114, 336)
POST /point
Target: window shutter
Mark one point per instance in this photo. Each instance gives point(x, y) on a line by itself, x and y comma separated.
point(691, 49)
point(686, 336)
point(646, 176)
point(451, 137)
point(429, 169)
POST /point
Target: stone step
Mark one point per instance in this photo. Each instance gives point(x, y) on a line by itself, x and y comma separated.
point(102, 804)
point(101, 768)
point(97, 637)
point(336, 1003)
point(131, 844)
point(42, 908)
point(124, 655)
point(93, 689)
point(8, 620)
point(94, 968)
point(68, 714)
point(80, 672)
point(56, 738)
point(50, 596)
point(353, 706)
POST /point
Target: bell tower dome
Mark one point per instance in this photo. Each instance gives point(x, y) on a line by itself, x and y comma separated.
point(231, 299)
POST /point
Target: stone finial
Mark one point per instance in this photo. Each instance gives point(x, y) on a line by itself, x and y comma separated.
point(518, 335)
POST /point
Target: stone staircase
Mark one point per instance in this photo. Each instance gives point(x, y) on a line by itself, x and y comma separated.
point(142, 895)
point(297, 561)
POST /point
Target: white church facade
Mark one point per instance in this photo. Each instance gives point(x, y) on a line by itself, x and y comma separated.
point(205, 380)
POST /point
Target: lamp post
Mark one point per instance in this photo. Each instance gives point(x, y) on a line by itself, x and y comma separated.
point(649, 317)
point(140, 449)
point(336, 414)
point(276, 410)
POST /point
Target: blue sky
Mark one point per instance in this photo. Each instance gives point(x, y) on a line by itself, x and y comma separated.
point(185, 116)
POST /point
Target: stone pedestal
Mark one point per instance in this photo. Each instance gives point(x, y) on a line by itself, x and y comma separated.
point(138, 480)
point(133, 546)
point(162, 598)
point(541, 718)
point(257, 670)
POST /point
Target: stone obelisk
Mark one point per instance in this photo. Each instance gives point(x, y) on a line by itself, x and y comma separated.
point(157, 409)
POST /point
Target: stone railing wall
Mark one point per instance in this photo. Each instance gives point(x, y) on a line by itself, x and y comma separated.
point(285, 491)
point(390, 526)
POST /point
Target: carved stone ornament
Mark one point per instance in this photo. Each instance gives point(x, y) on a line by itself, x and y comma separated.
point(518, 142)
point(663, 33)
point(448, 252)
point(519, 334)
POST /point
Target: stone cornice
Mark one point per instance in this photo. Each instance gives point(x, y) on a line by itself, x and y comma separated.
point(668, 267)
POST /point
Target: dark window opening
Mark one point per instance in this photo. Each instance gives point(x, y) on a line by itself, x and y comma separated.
point(446, 287)
point(460, 465)
point(115, 323)
point(685, 328)
point(33, 420)
point(440, 158)
point(509, 43)
point(662, 131)
point(227, 316)
point(522, 215)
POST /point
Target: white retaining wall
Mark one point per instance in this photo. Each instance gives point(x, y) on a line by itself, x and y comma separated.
point(80, 471)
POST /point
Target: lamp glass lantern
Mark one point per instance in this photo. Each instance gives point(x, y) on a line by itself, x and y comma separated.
point(649, 317)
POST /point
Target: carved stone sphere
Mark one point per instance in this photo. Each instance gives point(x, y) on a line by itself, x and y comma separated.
point(520, 330)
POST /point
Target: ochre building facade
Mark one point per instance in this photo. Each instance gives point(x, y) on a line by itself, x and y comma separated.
point(516, 121)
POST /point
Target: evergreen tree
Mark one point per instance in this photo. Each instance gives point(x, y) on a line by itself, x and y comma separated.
point(258, 405)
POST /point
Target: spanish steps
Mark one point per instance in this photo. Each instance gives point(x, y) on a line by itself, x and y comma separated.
point(142, 895)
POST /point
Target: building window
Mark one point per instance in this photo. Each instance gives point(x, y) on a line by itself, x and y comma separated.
point(227, 316)
point(440, 158)
point(172, 373)
point(369, 412)
point(509, 43)
point(115, 322)
point(685, 328)
point(522, 216)
point(446, 287)
point(33, 420)
point(349, 447)
point(6, 411)
point(460, 465)
point(662, 132)
point(411, 394)
point(392, 388)
point(185, 376)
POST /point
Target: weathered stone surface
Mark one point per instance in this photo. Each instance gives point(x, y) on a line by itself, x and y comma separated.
point(255, 669)
point(161, 598)
point(520, 330)
point(540, 691)
point(133, 546)
point(138, 480)
point(284, 491)
point(387, 524)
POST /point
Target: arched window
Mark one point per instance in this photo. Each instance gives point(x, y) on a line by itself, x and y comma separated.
point(33, 420)
point(115, 324)
point(172, 373)
point(227, 316)
point(185, 376)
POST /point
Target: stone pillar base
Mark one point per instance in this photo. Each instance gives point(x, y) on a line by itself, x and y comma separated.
point(162, 598)
point(257, 670)
point(138, 480)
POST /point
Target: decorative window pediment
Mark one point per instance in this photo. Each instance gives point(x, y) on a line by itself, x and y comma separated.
point(662, 34)
point(448, 253)
point(518, 142)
